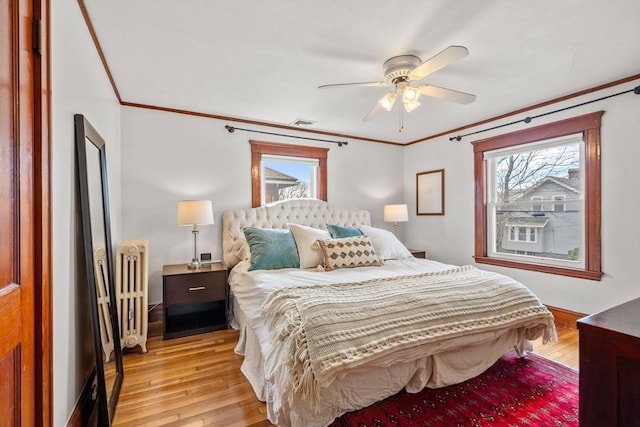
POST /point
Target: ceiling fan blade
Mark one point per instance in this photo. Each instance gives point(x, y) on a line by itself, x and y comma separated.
point(361, 84)
point(447, 94)
point(440, 60)
point(372, 113)
point(385, 103)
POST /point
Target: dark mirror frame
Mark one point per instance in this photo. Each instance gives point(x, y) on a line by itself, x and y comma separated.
point(106, 400)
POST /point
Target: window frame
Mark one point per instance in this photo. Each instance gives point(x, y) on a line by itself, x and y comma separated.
point(589, 126)
point(258, 148)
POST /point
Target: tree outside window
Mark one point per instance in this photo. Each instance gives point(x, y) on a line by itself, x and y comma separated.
point(286, 178)
point(538, 198)
point(286, 171)
point(536, 172)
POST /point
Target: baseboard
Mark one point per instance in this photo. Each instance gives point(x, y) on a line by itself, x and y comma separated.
point(155, 312)
point(84, 405)
point(565, 318)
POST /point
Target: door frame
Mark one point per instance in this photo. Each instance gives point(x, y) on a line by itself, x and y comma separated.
point(42, 216)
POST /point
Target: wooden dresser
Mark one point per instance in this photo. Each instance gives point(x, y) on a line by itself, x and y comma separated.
point(610, 367)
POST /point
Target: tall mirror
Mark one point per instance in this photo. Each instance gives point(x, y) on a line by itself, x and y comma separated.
point(94, 200)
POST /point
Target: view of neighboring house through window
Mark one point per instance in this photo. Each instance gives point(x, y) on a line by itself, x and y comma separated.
point(559, 207)
point(536, 206)
point(525, 184)
point(522, 234)
point(287, 171)
point(538, 192)
point(285, 177)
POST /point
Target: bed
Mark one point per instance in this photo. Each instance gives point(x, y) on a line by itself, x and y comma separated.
point(330, 335)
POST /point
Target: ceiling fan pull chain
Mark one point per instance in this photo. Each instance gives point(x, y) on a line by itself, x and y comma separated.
point(401, 124)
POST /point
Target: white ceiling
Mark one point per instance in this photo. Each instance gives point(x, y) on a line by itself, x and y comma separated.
point(263, 60)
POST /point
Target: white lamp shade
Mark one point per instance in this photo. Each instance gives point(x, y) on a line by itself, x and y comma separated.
point(396, 213)
point(195, 212)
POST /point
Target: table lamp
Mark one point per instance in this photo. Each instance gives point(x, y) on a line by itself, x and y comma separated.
point(195, 213)
point(396, 214)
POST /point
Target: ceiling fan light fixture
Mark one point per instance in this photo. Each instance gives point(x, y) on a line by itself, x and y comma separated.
point(388, 100)
point(410, 93)
point(409, 106)
point(402, 71)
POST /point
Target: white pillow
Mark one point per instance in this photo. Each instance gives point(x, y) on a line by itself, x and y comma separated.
point(385, 243)
point(305, 237)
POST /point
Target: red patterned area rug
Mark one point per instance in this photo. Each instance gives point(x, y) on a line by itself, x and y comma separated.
point(532, 391)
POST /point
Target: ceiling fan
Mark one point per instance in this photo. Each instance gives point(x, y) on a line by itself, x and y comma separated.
point(401, 71)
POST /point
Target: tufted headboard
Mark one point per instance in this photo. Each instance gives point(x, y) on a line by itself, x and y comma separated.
point(309, 212)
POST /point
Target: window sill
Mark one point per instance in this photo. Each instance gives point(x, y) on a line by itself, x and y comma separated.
point(541, 268)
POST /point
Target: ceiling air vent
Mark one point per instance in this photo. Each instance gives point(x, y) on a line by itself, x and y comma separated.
point(303, 122)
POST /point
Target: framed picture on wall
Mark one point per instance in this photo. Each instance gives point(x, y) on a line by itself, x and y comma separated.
point(430, 192)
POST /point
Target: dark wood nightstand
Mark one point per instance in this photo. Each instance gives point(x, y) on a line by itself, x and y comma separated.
point(417, 253)
point(195, 301)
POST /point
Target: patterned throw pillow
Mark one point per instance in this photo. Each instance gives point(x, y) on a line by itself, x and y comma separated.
point(348, 253)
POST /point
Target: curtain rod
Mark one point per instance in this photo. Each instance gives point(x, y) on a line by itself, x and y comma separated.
point(528, 119)
point(232, 129)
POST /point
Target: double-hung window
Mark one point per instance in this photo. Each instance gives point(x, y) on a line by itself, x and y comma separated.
point(538, 204)
point(516, 176)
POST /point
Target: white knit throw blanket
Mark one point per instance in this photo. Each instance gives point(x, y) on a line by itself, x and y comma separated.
point(327, 329)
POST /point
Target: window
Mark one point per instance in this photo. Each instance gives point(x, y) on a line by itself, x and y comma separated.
point(288, 178)
point(525, 253)
point(284, 171)
point(513, 175)
point(534, 208)
point(559, 207)
point(522, 234)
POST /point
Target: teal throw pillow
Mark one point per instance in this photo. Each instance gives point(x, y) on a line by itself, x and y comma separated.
point(271, 249)
point(340, 232)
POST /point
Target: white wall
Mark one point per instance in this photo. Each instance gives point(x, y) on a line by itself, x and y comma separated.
point(450, 238)
point(79, 85)
point(157, 158)
point(168, 157)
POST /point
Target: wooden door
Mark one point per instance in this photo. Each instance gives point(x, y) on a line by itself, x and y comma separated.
point(24, 346)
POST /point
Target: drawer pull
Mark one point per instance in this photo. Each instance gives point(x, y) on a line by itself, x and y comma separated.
point(197, 288)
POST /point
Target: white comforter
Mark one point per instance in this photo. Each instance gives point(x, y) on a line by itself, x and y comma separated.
point(445, 363)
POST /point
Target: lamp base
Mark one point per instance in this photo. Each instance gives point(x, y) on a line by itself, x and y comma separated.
point(194, 265)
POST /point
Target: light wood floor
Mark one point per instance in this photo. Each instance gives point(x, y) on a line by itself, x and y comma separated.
point(196, 381)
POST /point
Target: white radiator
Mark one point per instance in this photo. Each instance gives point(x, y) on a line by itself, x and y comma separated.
point(132, 282)
point(102, 292)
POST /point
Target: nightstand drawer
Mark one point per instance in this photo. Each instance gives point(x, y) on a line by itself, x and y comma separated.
point(189, 289)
